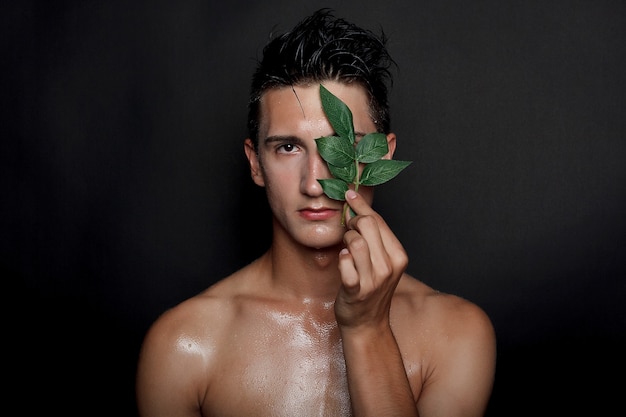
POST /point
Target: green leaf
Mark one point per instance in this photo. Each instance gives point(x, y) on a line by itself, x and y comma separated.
point(344, 173)
point(342, 155)
point(382, 171)
point(371, 147)
point(335, 150)
point(338, 114)
point(334, 188)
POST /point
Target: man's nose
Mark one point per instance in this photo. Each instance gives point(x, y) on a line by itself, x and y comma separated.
point(316, 168)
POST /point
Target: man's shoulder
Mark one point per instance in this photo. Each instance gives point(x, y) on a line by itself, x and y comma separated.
point(186, 314)
point(211, 310)
point(190, 319)
point(450, 313)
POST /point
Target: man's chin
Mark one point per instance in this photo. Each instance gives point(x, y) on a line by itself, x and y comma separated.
point(326, 245)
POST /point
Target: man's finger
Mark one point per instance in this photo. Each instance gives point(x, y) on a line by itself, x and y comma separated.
point(357, 204)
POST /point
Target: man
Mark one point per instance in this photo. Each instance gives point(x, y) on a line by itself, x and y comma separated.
point(326, 322)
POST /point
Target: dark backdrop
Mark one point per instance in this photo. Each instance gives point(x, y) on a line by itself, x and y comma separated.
point(125, 190)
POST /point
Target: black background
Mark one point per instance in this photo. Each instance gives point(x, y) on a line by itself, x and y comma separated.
point(125, 189)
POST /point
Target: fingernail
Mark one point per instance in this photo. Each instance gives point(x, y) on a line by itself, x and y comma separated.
point(351, 194)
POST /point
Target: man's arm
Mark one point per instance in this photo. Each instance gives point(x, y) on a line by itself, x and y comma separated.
point(459, 378)
point(371, 267)
point(460, 381)
point(168, 363)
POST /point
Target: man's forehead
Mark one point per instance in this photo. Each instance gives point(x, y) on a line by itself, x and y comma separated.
point(304, 100)
point(287, 107)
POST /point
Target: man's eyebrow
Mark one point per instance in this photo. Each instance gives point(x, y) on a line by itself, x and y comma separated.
point(283, 138)
point(297, 140)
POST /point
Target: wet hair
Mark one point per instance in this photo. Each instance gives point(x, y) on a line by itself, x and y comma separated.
point(321, 48)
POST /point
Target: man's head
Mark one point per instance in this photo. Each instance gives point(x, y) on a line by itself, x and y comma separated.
point(323, 48)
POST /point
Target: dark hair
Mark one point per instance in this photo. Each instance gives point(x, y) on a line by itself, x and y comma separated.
point(322, 47)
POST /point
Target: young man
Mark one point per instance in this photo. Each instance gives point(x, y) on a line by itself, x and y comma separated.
point(326, 322)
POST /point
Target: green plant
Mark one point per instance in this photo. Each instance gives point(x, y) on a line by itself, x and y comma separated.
point(344, 157)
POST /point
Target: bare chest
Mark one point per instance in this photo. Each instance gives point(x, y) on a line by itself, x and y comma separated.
point(293, 372)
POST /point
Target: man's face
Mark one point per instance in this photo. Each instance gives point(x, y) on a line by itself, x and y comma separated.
point(289, 165)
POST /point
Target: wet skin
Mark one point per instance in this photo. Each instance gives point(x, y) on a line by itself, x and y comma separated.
point(326, 323)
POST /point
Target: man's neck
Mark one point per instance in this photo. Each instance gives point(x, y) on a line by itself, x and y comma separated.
point(306, 273)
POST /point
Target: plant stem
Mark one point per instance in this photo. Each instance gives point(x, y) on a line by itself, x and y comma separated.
point(357, 177)
point(356, 182)
point(343, 214)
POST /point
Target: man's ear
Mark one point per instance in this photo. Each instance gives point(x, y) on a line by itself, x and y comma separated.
point(391, 144)
point(255, 166)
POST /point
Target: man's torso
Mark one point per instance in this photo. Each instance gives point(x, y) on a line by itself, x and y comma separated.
point(285, 359)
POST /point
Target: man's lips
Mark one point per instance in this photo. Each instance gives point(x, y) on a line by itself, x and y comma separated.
point(322, 213)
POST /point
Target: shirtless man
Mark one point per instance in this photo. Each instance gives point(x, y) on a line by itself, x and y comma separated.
point(326, 322)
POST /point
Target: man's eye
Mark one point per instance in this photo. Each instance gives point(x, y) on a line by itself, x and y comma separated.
point(287, 148)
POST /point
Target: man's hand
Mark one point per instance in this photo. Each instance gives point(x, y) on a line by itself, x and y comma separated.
point(371, 266)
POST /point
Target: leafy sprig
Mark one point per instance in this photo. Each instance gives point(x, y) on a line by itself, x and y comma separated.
point(344, 157)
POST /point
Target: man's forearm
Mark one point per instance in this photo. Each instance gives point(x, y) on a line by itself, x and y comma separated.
point(377, 378)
